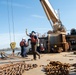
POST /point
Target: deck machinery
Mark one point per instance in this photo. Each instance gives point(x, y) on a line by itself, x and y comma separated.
point(57, 39)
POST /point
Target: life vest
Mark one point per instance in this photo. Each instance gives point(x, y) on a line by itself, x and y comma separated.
point(33, 39)
point(22, 43)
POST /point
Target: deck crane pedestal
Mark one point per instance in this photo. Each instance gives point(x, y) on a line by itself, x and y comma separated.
point(57, 39)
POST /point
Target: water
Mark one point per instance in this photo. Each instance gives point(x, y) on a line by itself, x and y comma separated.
point(10, 51)
point(16, 51)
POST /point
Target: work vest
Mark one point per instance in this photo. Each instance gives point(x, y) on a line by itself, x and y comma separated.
point(33, 39)
point(22, 43)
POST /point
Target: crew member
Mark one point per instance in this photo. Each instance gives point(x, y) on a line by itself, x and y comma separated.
point(33, 44)
point(23, 45)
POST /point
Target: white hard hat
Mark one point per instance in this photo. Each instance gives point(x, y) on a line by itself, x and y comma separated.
point(41, 44)
point(23, 38)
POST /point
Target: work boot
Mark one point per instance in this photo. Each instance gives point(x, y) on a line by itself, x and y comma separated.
point(34, 58)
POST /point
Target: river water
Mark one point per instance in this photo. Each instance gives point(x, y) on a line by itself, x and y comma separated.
point(10, 51)
point(16, 51)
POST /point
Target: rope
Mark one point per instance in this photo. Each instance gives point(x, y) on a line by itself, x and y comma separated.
point(12, 20)
point(8, 20)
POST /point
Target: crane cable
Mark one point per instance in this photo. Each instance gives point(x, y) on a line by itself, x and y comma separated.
point(12, 20)
point(12, 44)
point(8, 20)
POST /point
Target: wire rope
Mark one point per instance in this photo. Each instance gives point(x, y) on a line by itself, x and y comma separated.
point(12, 20)
point(8, 20)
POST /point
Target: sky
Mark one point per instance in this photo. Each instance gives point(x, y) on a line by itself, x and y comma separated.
point(29, 14)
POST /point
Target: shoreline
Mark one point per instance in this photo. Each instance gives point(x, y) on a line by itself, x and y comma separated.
point(8, 49)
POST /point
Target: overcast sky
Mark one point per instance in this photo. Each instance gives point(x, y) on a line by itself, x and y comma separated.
point(29, 14)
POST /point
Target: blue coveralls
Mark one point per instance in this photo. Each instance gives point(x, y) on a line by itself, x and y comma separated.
point(23, 50)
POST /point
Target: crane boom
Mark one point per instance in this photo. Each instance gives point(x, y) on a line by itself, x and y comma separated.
point(52, 16)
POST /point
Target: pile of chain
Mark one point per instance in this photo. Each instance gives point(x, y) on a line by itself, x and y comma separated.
point(15, 68)
point(73, 69)
point(57, 68)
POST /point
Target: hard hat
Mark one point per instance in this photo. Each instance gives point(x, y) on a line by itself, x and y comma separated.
point(55, 46)
point(23, 38)
point(42, 45)
point(33, 32)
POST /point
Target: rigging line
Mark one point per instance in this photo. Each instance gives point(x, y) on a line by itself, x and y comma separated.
point(8, 20)
point(12, 20)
